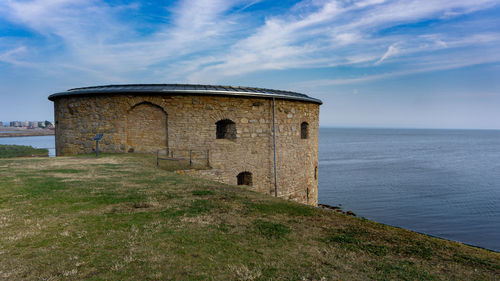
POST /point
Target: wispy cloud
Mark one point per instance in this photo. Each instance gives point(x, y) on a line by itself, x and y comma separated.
point(391, 51)
point(92, 37)
point(12, 56)
point(211, 40)
point(426, 64)
point(333, 33)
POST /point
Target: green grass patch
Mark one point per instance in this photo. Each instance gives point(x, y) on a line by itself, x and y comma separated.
point(343, 238)
point(7, 151)
point(202, 192)
point(419, 249)
point(198, 207)
point(357, 239)
point(34, 187)
point(64, 171)
point(132, 221)
point(400, 270)
point(282, 207)
point(271, 230)
point(474, 261)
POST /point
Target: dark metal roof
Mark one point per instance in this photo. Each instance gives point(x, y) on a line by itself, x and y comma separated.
point(158, 89)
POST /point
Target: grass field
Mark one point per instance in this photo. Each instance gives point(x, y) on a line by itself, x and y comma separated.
point(120, 218)
point(7, 151)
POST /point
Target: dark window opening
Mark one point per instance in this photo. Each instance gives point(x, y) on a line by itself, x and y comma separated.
point(304, 130)
point(316, 172)
point(307, 194)
point(245, 178)
point(226, 129)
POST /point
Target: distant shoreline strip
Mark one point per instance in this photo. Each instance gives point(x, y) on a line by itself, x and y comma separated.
point(26, 134)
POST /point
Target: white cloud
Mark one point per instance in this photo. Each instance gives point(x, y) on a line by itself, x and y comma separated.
point(97, 41)
point(209, 40)
point(335, 33)
point(13, 56)
point(391, 51)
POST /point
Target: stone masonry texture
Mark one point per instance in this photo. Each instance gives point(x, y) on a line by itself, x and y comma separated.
point(145, 123)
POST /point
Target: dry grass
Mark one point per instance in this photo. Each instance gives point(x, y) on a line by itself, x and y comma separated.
point(120, 218)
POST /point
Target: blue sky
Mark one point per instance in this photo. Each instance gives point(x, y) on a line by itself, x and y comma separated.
point(374, 63)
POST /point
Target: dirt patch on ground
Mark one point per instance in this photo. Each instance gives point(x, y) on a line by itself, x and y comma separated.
point(204, 220)
point(76, 177)
point(63, 161)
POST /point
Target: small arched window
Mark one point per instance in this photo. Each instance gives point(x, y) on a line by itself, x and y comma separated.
point(244, 178)
point(304, 130)
point(226, 129)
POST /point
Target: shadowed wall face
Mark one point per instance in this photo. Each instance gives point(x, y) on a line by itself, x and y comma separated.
point(146, 128)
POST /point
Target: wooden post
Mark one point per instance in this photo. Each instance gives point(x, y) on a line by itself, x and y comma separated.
point(96, 148)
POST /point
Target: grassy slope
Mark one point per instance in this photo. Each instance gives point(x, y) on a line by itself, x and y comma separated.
point(7, 151)
point(118, 217)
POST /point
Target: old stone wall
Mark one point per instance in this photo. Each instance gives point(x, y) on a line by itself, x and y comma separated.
point(142, 123)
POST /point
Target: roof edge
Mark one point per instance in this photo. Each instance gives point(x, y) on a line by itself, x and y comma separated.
point(157, 89)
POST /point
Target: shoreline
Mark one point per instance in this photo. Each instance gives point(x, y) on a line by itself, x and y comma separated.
point(338, 209)
point(22, 133)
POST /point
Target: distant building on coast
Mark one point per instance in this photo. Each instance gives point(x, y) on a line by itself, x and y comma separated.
point(33, 124)
point(267, 139)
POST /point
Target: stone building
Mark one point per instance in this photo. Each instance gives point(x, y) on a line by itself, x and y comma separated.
point(233, 125)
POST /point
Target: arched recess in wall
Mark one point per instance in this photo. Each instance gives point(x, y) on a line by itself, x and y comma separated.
point(147, 128)
point(245, 178)
point(304, 130)
point(225, 129)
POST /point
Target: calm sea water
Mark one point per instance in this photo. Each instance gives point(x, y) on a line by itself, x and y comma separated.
point(37, 142)
point(444, 183)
